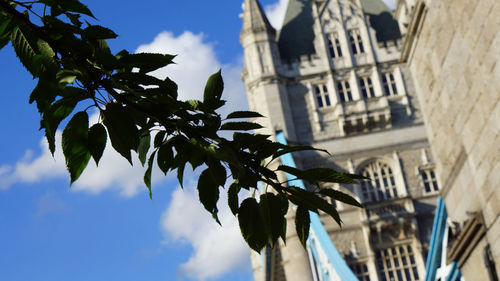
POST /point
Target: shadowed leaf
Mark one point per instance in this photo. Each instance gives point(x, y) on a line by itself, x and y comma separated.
point(74, 144)
point(97, 141)
point(302, 224)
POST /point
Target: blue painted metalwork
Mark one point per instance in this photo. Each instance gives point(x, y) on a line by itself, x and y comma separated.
point(455, 274)
point(435, 249)
point(324, 241)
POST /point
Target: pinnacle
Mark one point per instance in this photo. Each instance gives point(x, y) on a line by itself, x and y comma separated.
point(254, 18)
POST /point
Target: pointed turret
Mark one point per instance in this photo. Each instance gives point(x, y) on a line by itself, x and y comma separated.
point(268, 93)
point(254, 18)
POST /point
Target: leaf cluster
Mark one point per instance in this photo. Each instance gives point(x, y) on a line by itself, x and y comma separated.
point(141, 115)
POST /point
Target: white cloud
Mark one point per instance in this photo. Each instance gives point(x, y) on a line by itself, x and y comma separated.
point(29, 169)
point(276, 13)
point(114, 172)
point(216, 250)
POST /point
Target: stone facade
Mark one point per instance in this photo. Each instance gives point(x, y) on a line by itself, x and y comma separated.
point(331, 78)
point(452, 49)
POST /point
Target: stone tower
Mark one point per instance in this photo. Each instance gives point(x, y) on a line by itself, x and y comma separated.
point(330, 78)
point(452, 49)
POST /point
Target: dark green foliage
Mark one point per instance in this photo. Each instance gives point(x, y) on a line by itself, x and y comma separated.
point(243, 114)
point(75, 144)
point(140, 113)
point(213, 88)
point(340, 196)
point(97, 141)
point(142, 150)
point(273, 209)
point(232, 197)
point(252, 224)
point(208, 192)
point(240, 126)
point(122, 129)
point(302, 223)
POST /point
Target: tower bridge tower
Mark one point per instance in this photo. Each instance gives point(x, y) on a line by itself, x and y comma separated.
point(330, 78)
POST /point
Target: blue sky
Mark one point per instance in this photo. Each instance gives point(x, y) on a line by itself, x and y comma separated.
point(105, 227)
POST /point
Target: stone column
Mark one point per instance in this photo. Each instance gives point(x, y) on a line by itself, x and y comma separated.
point(295, 259)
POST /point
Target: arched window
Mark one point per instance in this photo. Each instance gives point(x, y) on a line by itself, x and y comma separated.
point(382, 185)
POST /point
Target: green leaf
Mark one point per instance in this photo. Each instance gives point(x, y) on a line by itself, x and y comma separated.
point(122, 129)
point(25, 48)
point(97, 141)
point(302, 224)
point(273, 218)
point(147, 174)
point(328, 175)
point(240, 126)
point(243, 114)
point(67, 6)
point(6, 28)
point(44, 94)
point(208, 192)
point(232, 197)
point(159, 138)
point(341, 196)
point(213, 88)
point(143, 148)
point(311, 198)
point(74, 144)
point(133, 79)
point(147, 62)
point(53, 116)
point(98, 32)
point(67, 76)
point(315, 175)
point(180, 172)
point(217, 171)
point(76, 6)
point(251, 224)
point(165, 157)
point(289, 149)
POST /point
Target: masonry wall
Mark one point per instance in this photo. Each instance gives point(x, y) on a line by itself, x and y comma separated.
point(454, 60)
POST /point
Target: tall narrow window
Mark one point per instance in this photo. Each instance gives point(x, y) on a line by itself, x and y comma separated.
point(389, 84)
point(397, 264)
point(322, 97)
point(429, 180)
point(334, 45)
point(382, 185)
point(366, 87)
point(344, 90)
point(356, 41)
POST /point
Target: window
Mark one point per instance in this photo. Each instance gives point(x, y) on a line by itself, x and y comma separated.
point(389, 84)
point(397, 264)
point(344, 91)
point(334, 45)
point(366, 87)
point(429, 180)
point(382, 186)
point(361, 271)
point(356, 42)
point(322, 96)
